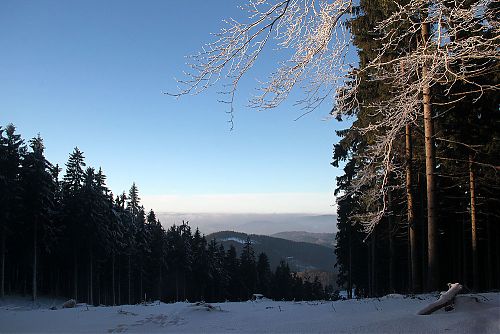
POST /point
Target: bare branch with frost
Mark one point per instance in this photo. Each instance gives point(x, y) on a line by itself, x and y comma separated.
point(312, 31)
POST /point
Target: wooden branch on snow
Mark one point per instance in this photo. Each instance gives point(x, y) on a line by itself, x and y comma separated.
point(445, 299)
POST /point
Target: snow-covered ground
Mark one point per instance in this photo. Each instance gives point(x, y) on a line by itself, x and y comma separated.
point(390, 314)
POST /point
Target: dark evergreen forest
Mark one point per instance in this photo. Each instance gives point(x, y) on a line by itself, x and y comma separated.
point(395, 256)
point(70, 236)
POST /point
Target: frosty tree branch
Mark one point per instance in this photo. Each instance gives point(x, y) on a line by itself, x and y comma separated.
point(314, 32)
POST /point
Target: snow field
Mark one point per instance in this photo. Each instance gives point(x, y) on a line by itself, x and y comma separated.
point(389, 314)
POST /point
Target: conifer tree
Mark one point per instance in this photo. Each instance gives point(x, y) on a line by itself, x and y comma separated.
point(248, 269)
point(231, 265)
point(264, 275)
point(38, 196)
point(11, 152)
point(74, 177)
point(133, 203)
point(200, 267)
point(282, 282)
point(158, 252)
point(71, 186)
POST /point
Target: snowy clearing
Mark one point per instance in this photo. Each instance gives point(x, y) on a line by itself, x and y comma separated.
point(389, 314)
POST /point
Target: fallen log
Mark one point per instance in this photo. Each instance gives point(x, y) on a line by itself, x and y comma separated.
point(445, 299)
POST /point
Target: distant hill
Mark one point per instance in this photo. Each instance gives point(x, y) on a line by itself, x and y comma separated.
point(254, 223)
point(323, 239)
point(300, 256)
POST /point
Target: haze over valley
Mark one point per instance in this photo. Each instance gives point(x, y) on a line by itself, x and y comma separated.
point(253, 223)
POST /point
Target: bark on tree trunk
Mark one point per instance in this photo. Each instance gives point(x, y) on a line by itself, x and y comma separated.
point(391, 243)
point(430, 165)
point(349, 292)
point(472, 190)
point(412, 229)
point(423, 234)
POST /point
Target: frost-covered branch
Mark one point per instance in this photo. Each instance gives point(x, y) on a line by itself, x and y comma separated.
point(312, 32)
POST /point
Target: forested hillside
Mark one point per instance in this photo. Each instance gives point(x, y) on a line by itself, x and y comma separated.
point(323, 239)
point(299, 255)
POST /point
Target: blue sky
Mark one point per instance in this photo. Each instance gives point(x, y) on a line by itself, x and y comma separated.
point(91, 74)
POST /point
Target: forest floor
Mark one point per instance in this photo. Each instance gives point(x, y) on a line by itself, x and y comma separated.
point(390, 314)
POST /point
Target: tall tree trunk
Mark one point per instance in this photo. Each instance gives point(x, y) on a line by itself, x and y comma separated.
point(129, 281)
point(391, 243)
point(422, 232)
point(497, 251)
point(430, 166)
point(2, 288)
point(372, 264)
point(490, 265)
point(58, 280)
point(349, 282)
point(98, 288)
point(91, 276)
point(75, 274)
point(119, 282)
point(176, 285)
point(113, 279)
point(141, 294)
point(35, 247)
point(184, 285)
point(464, 251)
point(410, 214)
point(472, 190)
point(159, 285)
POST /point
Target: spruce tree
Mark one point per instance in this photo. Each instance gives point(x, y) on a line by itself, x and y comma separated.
point(11, 152)
point(38, 196)
point(282, 282)
point(248, 269)
point(264, 275)
point(72, 213)
point(231, 265)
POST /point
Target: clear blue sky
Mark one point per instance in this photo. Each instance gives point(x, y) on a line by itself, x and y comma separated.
point(91, 74)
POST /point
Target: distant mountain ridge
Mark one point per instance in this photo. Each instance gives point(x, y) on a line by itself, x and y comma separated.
point(300, 256)
point(323, 239)
point(265, 224)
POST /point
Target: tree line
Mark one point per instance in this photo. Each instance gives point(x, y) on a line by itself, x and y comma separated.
point(418, 198)
point(71, 236)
